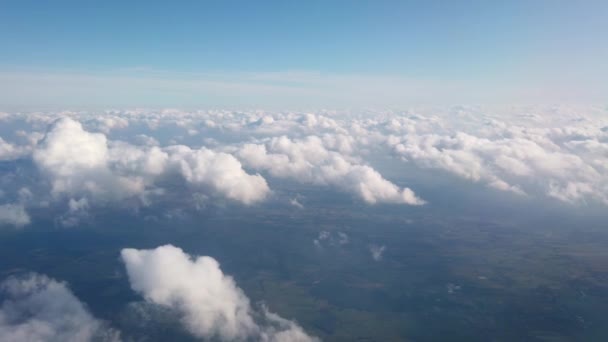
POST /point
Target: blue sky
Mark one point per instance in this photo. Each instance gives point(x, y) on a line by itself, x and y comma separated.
point(301, 53)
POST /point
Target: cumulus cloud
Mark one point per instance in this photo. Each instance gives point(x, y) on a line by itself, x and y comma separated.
point(13, 215)
point(219, 170)
point(309, 161)
point(83, 164)
point(76, 162)
point(39, 309)
point(210, 302)
point(523, 155)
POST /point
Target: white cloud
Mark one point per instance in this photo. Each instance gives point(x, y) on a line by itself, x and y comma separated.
point(309, 161)
point(210, 302)
point(82, 164)
point(107, 122)
point(13, 214)
point(9, 151)
point(524, 155)
point(377, 251)
point(76, 162)
point(40, 309)
point(219, 170)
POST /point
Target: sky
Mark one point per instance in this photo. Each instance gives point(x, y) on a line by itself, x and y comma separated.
point(294, 54)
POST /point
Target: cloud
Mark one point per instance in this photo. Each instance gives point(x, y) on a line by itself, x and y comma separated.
point(210, 303)
point(328, 238)
point(309, 161)
point(81, 164)
point(219, 170)
point(537, 152)
point(377, 251)
point(76, 162)
point(524, 155)
point(9, 151)
point(37, 308)
point(323, 236)
point(107, 123)
point(294, 202)
point(13, 214)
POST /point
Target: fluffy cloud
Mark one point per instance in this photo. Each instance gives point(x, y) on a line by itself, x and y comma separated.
point(531, 156)
point(219, 170)
point(76, 162)
point(38, 308)
point(79, 163)
point(106, 123)
point(14, 215)
point(9, 151)
point(211, 304)
point(309, 161)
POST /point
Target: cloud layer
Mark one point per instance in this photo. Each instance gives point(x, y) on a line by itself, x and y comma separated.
point(141, 157)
